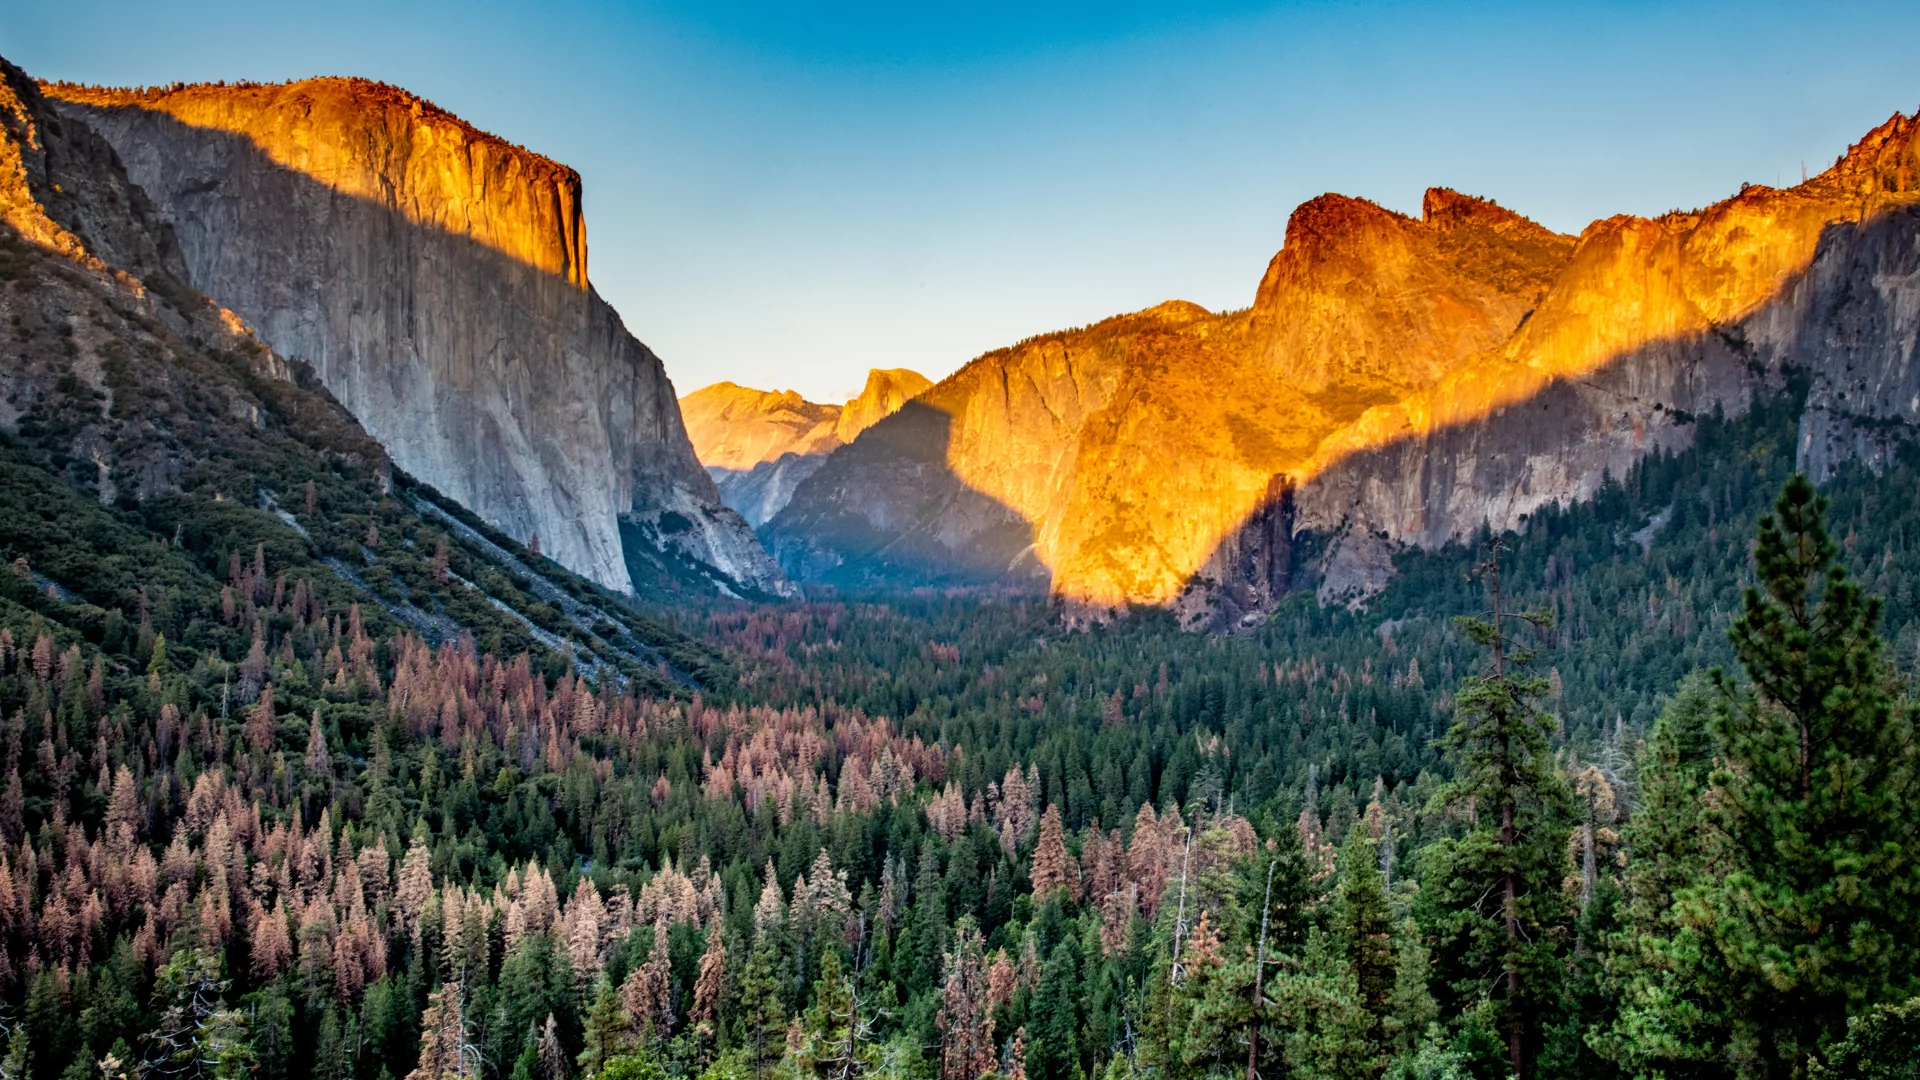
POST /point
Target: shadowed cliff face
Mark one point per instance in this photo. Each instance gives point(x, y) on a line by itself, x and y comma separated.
point(874, 500)
point(758, 445)
point(1402, 381)
point(436, 279)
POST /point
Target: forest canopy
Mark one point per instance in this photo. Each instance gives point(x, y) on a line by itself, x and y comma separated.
point(1583, 801)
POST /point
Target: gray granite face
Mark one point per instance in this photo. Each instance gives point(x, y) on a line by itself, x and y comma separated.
point(435, 279)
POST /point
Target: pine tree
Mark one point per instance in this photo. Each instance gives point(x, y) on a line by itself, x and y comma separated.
point(834, 1040)
point(929, 922)
point(1054, 1050)
point(19, 1053)
point(763, 1016)
point(329, 1050)
point(1053, 868)
point(272, 1015)
point(965, 1020)
point(1493, 895)
point(526, 1064)
point(1363, 923)
point(1819, 913)
point(608, 1030)
point(1321, 1026)
point(1662, 966)
point(197, 1034)
point(445, 1053)
point(536, 982)
point(553, 1058)
point(259, 725)
point(710, 984)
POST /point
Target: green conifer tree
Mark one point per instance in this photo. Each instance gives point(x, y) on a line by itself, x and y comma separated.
point(1492, 897)
point(1054, 1025)
point(1661, 967)
point(608, 1030)
point(763, 1017)
point(1363, 923)
point(1818, 914)
point(835, 1039)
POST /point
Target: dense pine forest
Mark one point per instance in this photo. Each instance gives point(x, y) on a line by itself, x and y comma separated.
point(1629, 794)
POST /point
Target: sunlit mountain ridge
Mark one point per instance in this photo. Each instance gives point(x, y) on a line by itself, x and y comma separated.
point(1397, 381)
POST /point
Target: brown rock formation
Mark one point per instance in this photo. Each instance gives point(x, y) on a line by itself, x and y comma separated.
point(436, 279)
point(1397, 381)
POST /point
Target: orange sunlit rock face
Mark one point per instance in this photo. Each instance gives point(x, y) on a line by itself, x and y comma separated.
point(384, 145)
point(737, 427)
point(1151, 438)
point(1164, 456)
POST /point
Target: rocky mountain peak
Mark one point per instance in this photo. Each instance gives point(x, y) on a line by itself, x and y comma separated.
point(1373, 302)
point(1445, 208)
point(758, 445)
point(1885, 160)
point(737, 427)
point(886, 390)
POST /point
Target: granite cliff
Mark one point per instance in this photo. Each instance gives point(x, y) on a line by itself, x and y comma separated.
point(150, 442)
point(435, 277)
point(758, 445)
point(1397, 381)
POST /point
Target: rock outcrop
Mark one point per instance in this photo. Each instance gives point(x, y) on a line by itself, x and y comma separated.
point(435, 277)
point(758, 445)
point(1397, 381)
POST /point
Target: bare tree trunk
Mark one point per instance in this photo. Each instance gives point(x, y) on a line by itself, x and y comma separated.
point(1180, 917)
point(1259, 979)
point(1516, 1048)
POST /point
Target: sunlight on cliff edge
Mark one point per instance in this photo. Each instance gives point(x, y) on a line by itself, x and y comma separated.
point(1134, 506)
point(381, 144)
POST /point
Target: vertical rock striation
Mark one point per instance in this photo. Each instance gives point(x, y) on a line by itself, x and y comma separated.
point(435, 277)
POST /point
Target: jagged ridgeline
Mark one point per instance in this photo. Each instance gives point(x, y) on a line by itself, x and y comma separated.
point(1397, 381)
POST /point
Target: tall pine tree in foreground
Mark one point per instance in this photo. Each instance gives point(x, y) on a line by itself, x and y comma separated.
point(1818, 913)
point(1492, 899)
point(1662, 967)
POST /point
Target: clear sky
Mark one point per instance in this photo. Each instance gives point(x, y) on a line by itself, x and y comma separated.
point(785, 195)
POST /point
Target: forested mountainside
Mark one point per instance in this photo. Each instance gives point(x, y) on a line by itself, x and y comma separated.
point(308, 774)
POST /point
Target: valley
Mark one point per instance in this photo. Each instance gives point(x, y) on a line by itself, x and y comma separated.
point(1489, 654)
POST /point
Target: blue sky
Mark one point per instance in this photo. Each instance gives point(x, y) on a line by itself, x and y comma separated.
point(788, 194)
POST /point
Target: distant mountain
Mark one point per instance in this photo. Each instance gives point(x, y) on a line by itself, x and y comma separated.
point(759, 444)
point(1397, 381)
point(435, 277)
